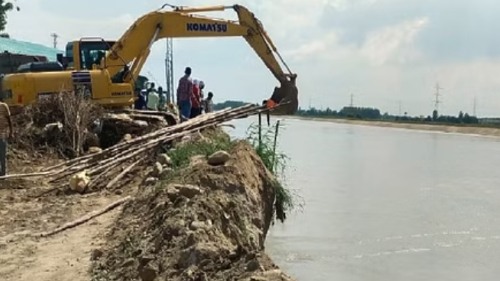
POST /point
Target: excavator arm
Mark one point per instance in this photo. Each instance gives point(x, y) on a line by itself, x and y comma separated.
point(128, 55)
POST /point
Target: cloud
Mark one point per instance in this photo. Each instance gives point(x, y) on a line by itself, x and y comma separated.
point(383, 51)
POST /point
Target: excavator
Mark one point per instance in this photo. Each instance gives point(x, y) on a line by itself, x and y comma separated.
point(116, 67)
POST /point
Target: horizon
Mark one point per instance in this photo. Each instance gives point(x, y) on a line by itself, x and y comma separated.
point(386, 53)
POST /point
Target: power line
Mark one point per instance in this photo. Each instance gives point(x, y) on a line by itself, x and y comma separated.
point(54, 37)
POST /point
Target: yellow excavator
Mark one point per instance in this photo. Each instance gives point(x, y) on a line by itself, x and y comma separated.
point(116, 67)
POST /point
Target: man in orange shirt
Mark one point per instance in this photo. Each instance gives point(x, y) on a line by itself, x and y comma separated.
point(5, 133)
point(195, 100)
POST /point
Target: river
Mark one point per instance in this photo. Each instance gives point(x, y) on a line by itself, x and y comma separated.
point(387, 204)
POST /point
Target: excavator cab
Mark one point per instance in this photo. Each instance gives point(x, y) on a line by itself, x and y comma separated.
point(83, 54)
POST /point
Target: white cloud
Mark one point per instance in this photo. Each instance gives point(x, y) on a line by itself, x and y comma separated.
point(394, 43)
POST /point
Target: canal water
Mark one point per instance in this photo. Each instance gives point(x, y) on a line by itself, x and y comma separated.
point(387, 204)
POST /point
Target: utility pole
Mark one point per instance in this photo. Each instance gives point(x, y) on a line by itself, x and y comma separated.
point(352, 101)
point(169, 70)
point(399, 103)
point(437, 95)
point(54, 37)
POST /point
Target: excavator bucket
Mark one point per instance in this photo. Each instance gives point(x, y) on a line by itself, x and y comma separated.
point(285, 99)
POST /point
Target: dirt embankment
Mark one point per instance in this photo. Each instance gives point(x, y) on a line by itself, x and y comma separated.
point(204, 222)
point(482, 131)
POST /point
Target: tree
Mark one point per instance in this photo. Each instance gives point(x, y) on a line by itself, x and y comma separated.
point(435, 115)
point(5, 7)
point(460, 117)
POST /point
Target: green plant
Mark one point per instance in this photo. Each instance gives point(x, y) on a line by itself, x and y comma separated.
point(264, 142)
point(181, 154)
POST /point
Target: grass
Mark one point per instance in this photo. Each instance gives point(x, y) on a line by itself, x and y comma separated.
point(275, 161)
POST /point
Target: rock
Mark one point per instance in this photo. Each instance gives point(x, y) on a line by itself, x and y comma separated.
point(143, 261)
point(218, 158)
point(147, 274)
point(165, 173)
point(127, 137)
point(253, 265)
point(157, 169)
point(128, 262)
point(188, 191)
point(79, 181)
point(96, 254)
point(172, 193)
point(150, 181)
point(197, 159)
point(197, 253)
point(118, 192)
point(195, 225)
point(94, 149)
point(165, 160)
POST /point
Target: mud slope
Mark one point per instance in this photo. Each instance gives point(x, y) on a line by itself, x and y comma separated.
point(206, 223)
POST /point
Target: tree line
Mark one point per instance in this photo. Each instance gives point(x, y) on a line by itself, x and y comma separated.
point(369, 113)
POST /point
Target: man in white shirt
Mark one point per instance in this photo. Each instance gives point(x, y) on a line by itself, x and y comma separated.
point(153, 100)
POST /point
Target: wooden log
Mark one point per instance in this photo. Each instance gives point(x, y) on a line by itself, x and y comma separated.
point(122, 174)
point(85, 218)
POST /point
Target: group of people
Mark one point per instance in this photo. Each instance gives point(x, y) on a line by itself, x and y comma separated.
point(151, 99)
point(190, 97)
point(191, 100)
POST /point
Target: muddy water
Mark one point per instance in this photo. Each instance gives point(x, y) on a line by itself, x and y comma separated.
point(388, 204)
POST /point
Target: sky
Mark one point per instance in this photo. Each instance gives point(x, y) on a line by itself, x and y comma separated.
point(388, 54)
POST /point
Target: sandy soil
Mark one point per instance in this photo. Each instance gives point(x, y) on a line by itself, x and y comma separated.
point(494, 132)
point(26, 209)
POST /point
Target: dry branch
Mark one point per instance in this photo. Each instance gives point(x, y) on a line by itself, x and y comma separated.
point(85, 218)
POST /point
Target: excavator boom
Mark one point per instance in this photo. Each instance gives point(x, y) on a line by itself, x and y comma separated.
point(129, 53)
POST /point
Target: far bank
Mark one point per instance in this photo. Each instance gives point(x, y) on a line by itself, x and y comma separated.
point(446, 128)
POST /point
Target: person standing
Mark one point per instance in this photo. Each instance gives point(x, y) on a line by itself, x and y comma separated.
point(161, 102)
point(184, 93)
point(208, 103)
point(195, 100)
point(202, 97)
point(153, 99)
point(5, 122)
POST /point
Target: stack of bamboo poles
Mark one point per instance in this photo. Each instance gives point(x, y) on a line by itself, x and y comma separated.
point(103, 163)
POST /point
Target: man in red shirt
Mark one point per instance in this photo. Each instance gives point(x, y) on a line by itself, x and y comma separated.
point(195, 100)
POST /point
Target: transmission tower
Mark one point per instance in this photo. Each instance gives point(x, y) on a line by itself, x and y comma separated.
point(169, 70)
point(54, 39)
point(437, 95)
point(352, 100)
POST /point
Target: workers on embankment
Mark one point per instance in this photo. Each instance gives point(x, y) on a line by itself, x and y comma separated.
point(5, 134)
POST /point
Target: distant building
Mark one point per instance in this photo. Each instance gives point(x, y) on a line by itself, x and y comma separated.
point(27, 48)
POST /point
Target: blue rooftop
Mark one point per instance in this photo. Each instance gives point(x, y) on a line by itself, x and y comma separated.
point(27, 48)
